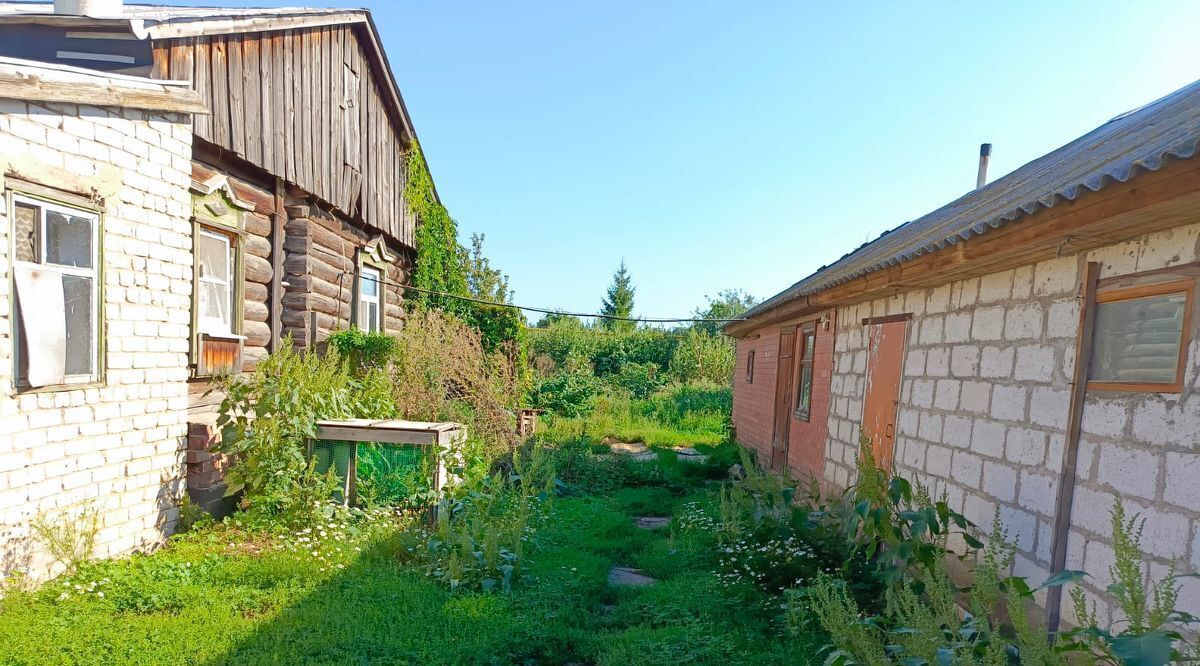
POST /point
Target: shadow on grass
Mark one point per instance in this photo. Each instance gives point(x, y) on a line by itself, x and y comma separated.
point(377, 612)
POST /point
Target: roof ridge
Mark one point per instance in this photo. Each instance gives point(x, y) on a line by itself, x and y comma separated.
point(1137, 141)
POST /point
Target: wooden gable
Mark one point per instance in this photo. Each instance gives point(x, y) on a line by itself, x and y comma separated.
point(305, 105)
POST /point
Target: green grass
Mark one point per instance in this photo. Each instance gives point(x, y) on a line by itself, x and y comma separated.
point(224, 596)
point(678, 416)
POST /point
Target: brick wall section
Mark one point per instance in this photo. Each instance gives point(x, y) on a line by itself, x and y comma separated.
point(983, 412)
point(205, 469)
point(806, 441)
point(754, 404)
point(119, 445)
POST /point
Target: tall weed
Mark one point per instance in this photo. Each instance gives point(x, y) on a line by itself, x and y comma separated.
point(267, 417)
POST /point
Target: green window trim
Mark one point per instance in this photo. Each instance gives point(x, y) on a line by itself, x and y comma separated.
point(375, 256)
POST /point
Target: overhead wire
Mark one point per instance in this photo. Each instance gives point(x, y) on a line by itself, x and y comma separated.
point(530, 308)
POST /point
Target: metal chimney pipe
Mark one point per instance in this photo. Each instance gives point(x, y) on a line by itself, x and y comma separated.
point(985, 152)
point(95, 8)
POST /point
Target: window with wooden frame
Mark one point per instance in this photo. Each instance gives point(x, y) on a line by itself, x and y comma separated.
point(56, 278)
point(1141, 335)
point(217, 299)
point(804, 384)
point(369, 311)
point(370, 287)
point(218, 280)
point(750, 367)
point(216, 260)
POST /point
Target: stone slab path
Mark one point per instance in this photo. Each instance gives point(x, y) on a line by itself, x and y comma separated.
point(689, 454)
point(635, 450)
point(651, 522)
point(629, 576)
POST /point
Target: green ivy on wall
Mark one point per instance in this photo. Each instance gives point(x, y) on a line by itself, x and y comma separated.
point(440, 264)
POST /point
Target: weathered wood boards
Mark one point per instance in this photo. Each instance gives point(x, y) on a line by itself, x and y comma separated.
point(305, 105)
point(65, 84)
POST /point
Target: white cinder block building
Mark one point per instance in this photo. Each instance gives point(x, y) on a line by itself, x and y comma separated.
point(95, 305)
point(1031, 348)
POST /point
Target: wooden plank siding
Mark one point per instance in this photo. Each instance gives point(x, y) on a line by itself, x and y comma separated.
point(305, 105)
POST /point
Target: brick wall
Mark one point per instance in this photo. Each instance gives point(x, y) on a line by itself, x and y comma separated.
point(754, 404)
point(806, 441)
point(118, 444)
point(983, 409)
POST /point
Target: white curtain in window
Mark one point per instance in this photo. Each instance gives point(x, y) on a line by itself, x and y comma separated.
point(215, 302)
point(43, 322)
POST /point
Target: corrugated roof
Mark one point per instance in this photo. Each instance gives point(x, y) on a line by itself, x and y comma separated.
point(1132, 143)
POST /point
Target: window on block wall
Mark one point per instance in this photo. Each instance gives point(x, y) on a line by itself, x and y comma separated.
point(750, 367)
point(56, 278)
point(804, 385)
point(1141, 337)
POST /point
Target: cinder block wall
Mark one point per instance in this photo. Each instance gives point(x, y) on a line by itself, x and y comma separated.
point(983, 410)
point(119, 444)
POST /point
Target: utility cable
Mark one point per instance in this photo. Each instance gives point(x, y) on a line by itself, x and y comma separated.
point(530, 308)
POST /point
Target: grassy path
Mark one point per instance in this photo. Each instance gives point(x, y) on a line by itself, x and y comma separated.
point(210, 600)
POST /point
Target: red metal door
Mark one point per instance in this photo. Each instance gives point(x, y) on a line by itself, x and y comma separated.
point(885, 362)
point(783, 397)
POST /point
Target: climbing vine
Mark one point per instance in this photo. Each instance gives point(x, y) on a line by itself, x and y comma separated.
point(444, 265)
point(440, 262)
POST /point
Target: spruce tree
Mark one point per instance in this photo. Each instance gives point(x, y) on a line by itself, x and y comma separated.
point(619, 302)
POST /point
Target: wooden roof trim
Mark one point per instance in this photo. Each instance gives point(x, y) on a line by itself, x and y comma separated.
point(364, 28)
point(1152, 202)
point(198, 26)
point(220, 181)
point(47, 82)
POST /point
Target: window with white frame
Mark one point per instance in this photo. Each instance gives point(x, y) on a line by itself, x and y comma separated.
point(370, 316)
point(215, 292)
point(56, 279)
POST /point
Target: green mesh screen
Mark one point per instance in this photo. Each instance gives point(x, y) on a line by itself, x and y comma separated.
point(335, 455)
point(392, 473)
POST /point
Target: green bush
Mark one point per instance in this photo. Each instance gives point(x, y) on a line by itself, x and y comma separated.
point(639, 380)
point(701, 357)
point(267, 417)
point(363, 350)
point(566, 393)
point(479, 540)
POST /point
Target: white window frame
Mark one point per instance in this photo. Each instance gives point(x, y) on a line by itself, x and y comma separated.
point(204, 324)
point(364, 274)
point(45, 206)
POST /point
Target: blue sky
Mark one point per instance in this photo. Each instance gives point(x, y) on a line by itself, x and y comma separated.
point(715, 145)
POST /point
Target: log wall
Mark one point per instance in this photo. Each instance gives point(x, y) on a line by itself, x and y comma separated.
point(320, 262)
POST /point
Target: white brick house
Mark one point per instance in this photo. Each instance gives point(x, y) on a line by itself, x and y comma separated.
point(957, 337)
point(95, 305)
